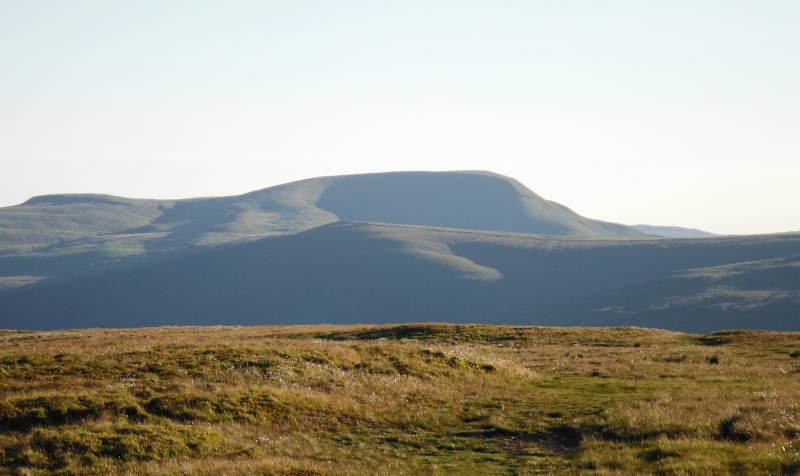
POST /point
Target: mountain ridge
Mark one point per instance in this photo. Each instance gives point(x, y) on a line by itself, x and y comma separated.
point(377, 248)
point(82, 232)
point(294, 206)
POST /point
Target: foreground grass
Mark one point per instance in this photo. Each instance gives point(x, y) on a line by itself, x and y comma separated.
point(413, 399)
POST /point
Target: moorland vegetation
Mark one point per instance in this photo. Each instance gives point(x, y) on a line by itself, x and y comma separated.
point(409, 399)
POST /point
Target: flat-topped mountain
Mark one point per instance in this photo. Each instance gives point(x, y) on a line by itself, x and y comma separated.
point(377, 248)
point(469, 200)
point(59, 235)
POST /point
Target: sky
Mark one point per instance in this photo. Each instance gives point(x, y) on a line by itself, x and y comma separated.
point(681, 113)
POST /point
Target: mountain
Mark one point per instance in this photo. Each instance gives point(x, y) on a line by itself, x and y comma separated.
point(469, 200)
point(465, 200)
point(673, 231)
point(376, 273)
point(62, 221)
point(64, 235)
point(378, 248)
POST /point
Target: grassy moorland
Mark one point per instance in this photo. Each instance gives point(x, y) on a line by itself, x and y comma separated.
point(412, 399)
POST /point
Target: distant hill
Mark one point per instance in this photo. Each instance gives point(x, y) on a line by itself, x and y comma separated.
point(372, 273)
point(673, 231)
point(378, 248)
point(470, 200)
point(466, 200)
point(61, 220)
point(760, 294)
point(61, 235)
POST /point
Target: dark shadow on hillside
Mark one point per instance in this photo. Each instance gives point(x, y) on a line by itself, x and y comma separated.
point(187, 220)
point(49, 266)
point(337, 273)
point(701, 301)
point(346, 273)
point(454, 200)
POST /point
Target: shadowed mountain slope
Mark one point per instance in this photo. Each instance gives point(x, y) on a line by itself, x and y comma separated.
point(469, 200)
point(373, 273)
point(763, 294)
point(466, 200)
point(413, 246)
point(63, 235)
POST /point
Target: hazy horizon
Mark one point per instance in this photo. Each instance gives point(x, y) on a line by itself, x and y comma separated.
point(679, 114)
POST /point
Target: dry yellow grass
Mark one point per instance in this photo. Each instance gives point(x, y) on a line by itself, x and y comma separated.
point(413, 399)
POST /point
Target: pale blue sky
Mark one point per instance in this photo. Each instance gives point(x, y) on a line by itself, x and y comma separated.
point(670, 113)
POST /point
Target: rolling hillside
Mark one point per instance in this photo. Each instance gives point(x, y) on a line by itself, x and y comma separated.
point(377, 248)
point(469, 200)
point(378, 273)
point(64, 235)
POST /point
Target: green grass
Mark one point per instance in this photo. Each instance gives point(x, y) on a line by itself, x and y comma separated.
point(412, 399)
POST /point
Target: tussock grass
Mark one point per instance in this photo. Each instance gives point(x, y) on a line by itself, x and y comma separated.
point(410, 399)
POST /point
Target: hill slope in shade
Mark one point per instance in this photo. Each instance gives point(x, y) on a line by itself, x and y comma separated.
point(673, 231)
point(370, 273)
point(65, 235)
point(471, 200)
point(735, 296)
point(466, 200)
point(282, 255)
